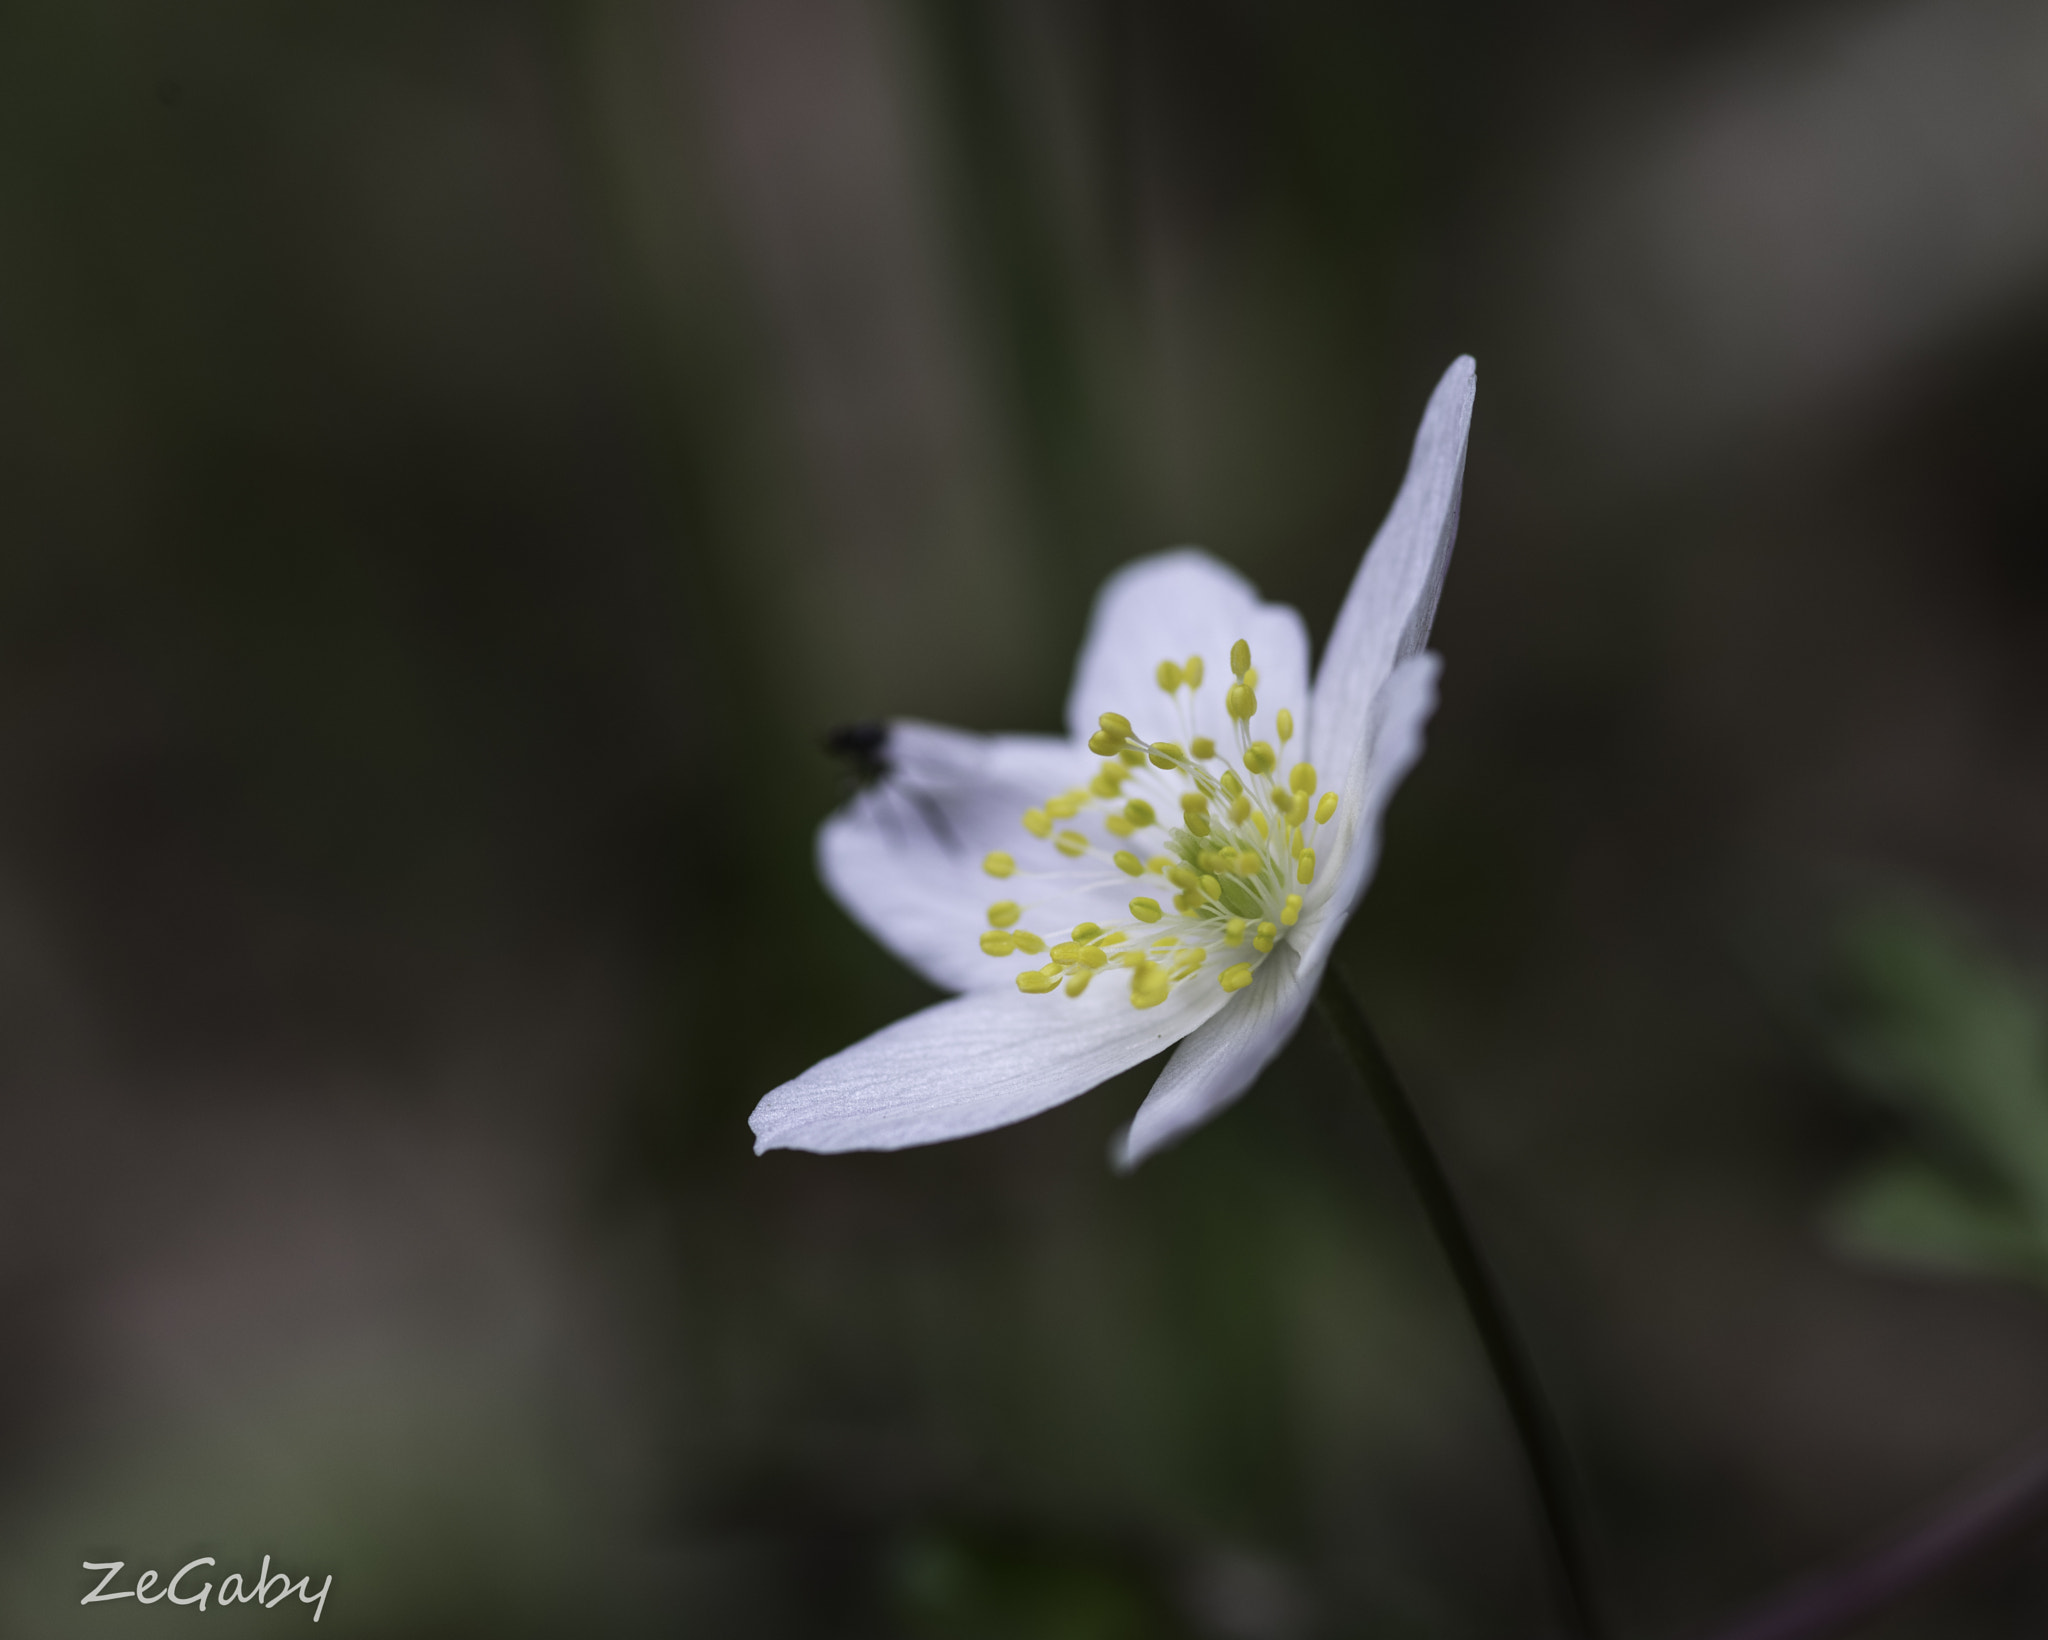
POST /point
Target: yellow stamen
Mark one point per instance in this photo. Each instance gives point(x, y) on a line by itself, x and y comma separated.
point(1166, 754)
point(1003, 913)
point(1305, 872)
point(1146, 910)
point(1241, 702)
point(1077, 983)
point(1283, 721)
point(1139, 812)
point(1290, 913)
point(1118, 826)
point(1071, 843)
point(998, 864)
point(1326, 808)
point(1236, 977)
point(1240, 657)
point(1036, 984)
point(1038, 822)
point(1148, 985)
point(1264, 936)
point(998, 944)
point(1115, 723)
point(1233, 931)
point(1203, 747)
point(1064, 807)
point(1169, 675)
point(1128, 863)
point(1104, 744)
point(1259, 758)
point(1084, 932)
point(1027, 942)
point(1191, 669)
point(1107, 785)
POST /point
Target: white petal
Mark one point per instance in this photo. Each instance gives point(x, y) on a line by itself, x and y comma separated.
point(1218, 1062)
point(904, 857)
point(1402, 711)
point(1171, 606)
point(977, 1062)
point(1387, 613)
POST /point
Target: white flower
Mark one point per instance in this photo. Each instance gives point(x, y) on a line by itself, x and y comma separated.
point(1177, 870)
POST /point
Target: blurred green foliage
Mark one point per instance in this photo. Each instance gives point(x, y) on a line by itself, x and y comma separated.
point(1951, 1036)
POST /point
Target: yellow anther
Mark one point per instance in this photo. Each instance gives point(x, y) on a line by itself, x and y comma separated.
point(1326, 808)
point(1283, 720)
point(998, 864)
point(1198, 824)
point(1251, 677)
point(1038, 822)
point(1240, 657)
point(1139, 812)
point(1104, 744)
point(1115, 723)
point(1236, 977)
point(1149, 985)
point(1259, 820)
point(1259, 758)
point(1053, 970)
point(998, 944)
point(1233, 931)
point(1116, 936)
point(1078, 981)
point(1036, 984)
point(1027, 942)
point(1212, 888)
point(1107, 785)
point(1084, 932)
point(1165, 942)
point(1202, 747)
point(1093, 956)
point(1118, 825)
point(1240, 701)
point(1181, 876)
point(1004, 913)
point(1194, 803)
point(1132, 959)
point(1169, 675)
point(1302, 777)
point(1232, 786)
point(1130, 757)
point(1066, 951)
point(1071, 843)
point(1297, 808)
point(1191, 669)
point(1063, 807)
point(1264, 936)
point(1166, 754)
point(1305, 871)
point(1159, 863)
point(1189, 962)
point(1146, 910)
point(1128, 863)
point(1290, 913)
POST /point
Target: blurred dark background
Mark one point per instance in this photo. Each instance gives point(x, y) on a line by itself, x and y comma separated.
point(455, 461)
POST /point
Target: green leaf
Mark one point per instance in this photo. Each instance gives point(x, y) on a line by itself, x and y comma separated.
point(1908, 1211)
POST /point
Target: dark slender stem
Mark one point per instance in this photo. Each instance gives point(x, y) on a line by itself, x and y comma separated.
point(1541, 1446)
point(1835, 1602)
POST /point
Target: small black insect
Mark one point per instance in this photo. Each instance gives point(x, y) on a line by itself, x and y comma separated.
point(862, 750)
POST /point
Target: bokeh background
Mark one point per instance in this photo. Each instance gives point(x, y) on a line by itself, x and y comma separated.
point(457, 459)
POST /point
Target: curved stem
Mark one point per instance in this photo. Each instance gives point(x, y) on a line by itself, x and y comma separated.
point(1835, 1602)
point(1512, 1371)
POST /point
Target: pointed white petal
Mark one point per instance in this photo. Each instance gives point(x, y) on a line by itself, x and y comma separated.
point(1402, 711)
point(1171, 606)
point(1218, 1062)
point(904, 857)
point(977, 1062)
point(1392, 601)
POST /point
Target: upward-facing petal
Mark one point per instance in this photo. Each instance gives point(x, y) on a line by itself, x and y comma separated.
point(905, 856)
point(1168, 607)
point(1387, 613)
point(977, 1062)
